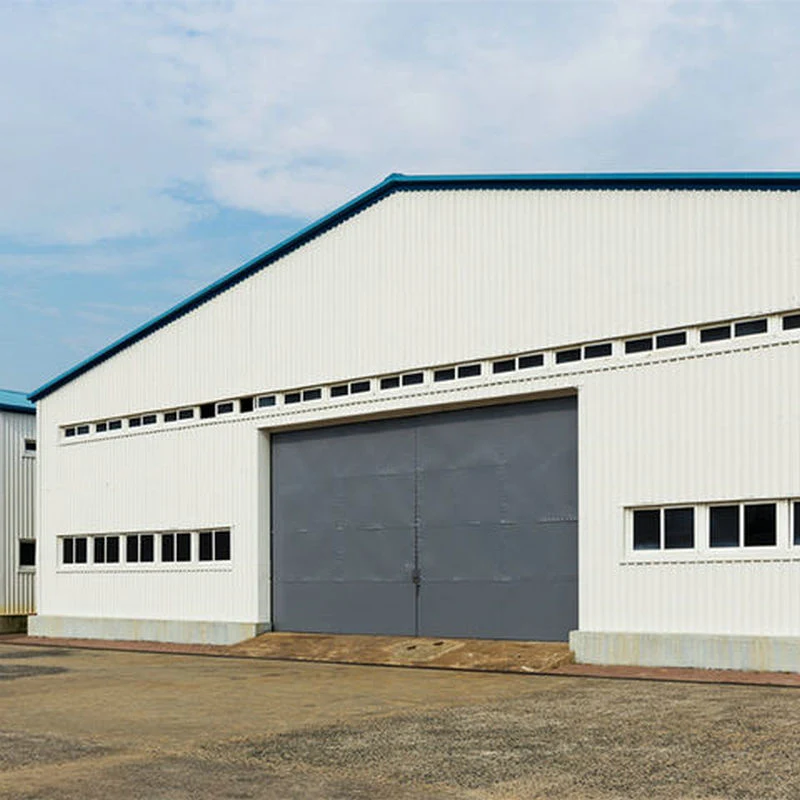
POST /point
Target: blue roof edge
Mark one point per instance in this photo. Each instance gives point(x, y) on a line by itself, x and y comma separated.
point(753, 181)
point(16, 401)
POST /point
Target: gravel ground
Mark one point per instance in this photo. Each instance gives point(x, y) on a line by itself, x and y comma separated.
point(133, 725)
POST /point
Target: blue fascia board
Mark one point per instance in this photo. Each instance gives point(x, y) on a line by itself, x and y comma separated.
point(16, 401)
point(707, 181)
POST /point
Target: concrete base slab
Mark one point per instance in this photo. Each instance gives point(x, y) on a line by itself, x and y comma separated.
point(706, 651)
point(150, 630)
point(13, 623)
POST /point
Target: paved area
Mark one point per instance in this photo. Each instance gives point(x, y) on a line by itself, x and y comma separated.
point(96, 724)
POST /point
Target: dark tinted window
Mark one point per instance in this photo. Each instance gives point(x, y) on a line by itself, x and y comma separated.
point(291, 397)
point(444, 374)
point(597, 350)
point(759, 525)
point(225, 408)
point(724, 526)
point(68, 551)
point(390, 383)
point(186, 413)
point(671, 339)
point(207, 411)
point(536, 360)
point(222, 545)
point(359, 386)
point(82, 430)
point(115, 424)
point(167, 546)
point(112, 549)
point(245, 405)
point(101, 427)
point(412, 378)
point(69, 432)
point(312, 394)
point(792, 321)
point(715, 334)
point(205, 552)
point(646, 529)
point(80, 550)
point(796, 525)
point(638, 345)
point(149, 419)
point(99, 550)
point(750, 327)
point(132, 549)
point(339, 391)
point(564, 356)
point(268, 400)
point(678, 528)
point(134, 422)
point(170, 416)
point(469, 370)
point(27, 553)
point(146, 547)
point(507, 365)
point(184, 546)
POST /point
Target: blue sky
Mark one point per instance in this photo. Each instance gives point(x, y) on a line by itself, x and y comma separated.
point(148, 148)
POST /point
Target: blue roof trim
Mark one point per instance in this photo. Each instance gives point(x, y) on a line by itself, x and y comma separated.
point(16, 401)
point(731, 181)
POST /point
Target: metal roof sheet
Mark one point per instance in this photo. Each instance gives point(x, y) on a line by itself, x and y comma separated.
point(16, 401)
point(707, 181)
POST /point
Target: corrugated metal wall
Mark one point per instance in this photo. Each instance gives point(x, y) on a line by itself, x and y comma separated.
point(16, 511)
point(429, 278)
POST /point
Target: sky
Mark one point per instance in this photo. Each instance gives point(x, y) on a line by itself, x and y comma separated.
point(147, 148)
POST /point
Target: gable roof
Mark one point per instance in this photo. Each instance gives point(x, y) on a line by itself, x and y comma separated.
point(16, 401)
point(707, 181)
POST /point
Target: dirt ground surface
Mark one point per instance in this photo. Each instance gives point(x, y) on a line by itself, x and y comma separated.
point(94, 724)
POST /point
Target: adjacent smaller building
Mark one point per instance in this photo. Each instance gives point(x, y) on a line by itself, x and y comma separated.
point(17, 543)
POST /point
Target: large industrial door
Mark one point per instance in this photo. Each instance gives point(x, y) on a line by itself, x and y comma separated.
point(461, 523)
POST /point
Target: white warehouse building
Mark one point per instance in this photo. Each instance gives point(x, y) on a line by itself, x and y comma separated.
point(528, 407)
point(17, 543)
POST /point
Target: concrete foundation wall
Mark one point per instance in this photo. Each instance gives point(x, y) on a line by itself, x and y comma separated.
point(707, 651)
point(145, 630)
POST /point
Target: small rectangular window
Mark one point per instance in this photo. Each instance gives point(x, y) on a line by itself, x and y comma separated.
point(67, 550)
point(791, 322)
point(134, 422)
point(724, 526)
point(99, 550)
point(535, 360)
point(469, 371)
point(183, 546)
point(359, 386)
point(245, 405)
point(266, 401)
point(340, 391)
point(715, 334)
point(82, 430)
point(671, 339)
point(205, 549)
point(506, 365)
point(312, 394)
point(112, 549)
point(597, 350)
point(146, 547)
point(80, 549)
point(170, 416)
point(69, 431)
point(678, 528)
point(413, 378)
point(447, 374)
point(291, 397)
point(565, 356)
point(27, 552)
point(207, 411)
point(647, 529)
point(186, 413)
point(796, 523)
point(149, 419)
point(759, 525)
point(132, 549)
point(167, 547)
point(639, 345)
point(390, 383)
point(222, 545)
point(30, 445)
point(750, 327)
point(115, 425)
point(101, 427)
point(225, 408)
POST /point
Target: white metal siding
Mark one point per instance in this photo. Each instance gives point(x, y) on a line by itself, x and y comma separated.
point(16, 511)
